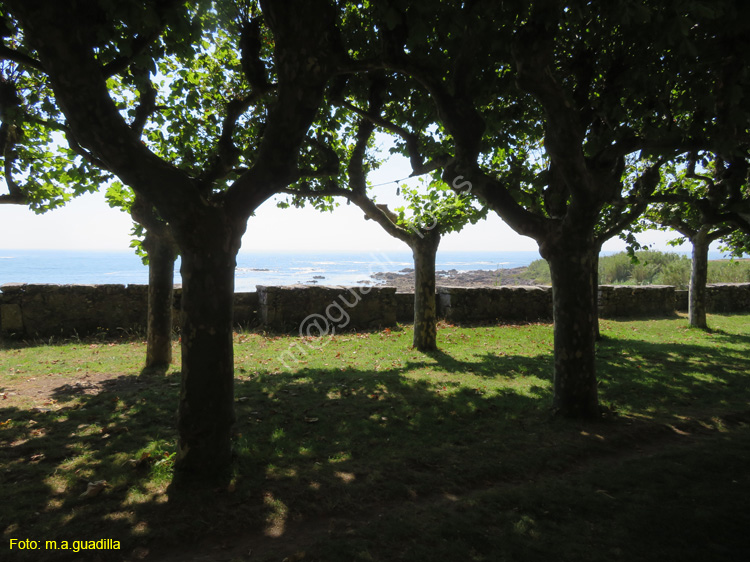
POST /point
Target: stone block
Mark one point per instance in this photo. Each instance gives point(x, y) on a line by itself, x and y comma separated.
point(633, 301)
point(319, 311)
point(504, 303)
point(11, 319)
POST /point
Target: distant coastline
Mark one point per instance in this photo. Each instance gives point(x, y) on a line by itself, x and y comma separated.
point(404, 280)
point(468, 269)
point(271, 268)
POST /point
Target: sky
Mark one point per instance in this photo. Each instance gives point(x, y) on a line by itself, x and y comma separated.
point(88, 223)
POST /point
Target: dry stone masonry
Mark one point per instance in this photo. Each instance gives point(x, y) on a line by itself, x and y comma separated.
point(44, 311)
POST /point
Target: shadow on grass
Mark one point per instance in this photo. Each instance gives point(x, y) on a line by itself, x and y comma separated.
point(308, 442)
point(492, 365)
point(676, 379)
point(317, 442)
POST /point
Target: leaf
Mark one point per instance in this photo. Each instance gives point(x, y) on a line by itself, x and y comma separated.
point(94, 488)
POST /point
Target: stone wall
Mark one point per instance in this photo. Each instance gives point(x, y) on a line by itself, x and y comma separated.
point(720, 298)
point(34, 311)
point(633, 301)
point(317, 311)
point(246, 309)
point(67, 310)
point(405, 307)
point(511, 304)
point(728, 297)
point(681, 300)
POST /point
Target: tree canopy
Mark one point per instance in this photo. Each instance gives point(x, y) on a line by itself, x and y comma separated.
point(553, 113)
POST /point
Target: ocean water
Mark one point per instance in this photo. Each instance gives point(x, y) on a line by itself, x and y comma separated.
point(259, 268)
point(262, 268)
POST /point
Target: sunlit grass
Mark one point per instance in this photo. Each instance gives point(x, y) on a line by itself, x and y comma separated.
point(457, 447)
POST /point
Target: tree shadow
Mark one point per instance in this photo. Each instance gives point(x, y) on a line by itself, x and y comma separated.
point(492, 365)
point(675, 380)
point(319, 442)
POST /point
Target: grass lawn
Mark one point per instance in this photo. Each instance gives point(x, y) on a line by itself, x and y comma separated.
point(360, 448)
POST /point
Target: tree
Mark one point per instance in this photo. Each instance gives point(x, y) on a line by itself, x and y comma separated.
point(615, 218)
point(156, 246)
point(244, 85)
point(703, 207)
point(34, 174)
point(540, 111)
point(431, 214)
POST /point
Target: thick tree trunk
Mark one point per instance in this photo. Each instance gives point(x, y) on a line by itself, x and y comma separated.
point(575, 384)
point(699, 278)
point(424, 251)
point(206, 408)
point(161, 256)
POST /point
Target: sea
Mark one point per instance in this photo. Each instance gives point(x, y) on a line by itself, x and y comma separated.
point(262, 268)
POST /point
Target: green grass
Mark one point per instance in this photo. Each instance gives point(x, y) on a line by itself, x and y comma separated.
point(368, 450)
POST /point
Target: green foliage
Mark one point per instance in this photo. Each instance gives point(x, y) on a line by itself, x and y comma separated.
point(650, 268)
point(702, 195)
point(538, 272)
point(644, 268)
point(438, 207)
point(676, 273)
point(615, 269)
point(34, 161)
point(729, 271)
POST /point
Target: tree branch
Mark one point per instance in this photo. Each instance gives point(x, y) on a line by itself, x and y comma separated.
point(147, 101)
point(15, 195)
point(6, 53)
point(691, 172)
point(532, 50)
point(139, 45)
point(721, 233)
point(304, 190)
point(418, 165)
point(330, 165)
point(250, 55)
point(227, 154)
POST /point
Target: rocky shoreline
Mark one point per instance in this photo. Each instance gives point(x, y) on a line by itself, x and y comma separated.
point(404, 280)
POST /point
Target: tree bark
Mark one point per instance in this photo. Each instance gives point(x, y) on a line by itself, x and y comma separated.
point(699, 278)
point(206, 407)
point(595, 292)
point(424, 251)
point(161, 256)
point(575, 394)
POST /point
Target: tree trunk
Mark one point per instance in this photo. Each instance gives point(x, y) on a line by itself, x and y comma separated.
point(699, 278)
point(206, 408)
point(161, 255)
point(595, 293)
point(424, 251)
point(575, 384)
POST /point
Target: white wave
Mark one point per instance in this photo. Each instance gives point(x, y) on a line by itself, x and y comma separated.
point(255, 270)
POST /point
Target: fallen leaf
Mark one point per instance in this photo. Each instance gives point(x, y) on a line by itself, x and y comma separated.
point(94, 488)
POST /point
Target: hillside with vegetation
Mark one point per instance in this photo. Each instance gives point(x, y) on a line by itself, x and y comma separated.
point(650, 268)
